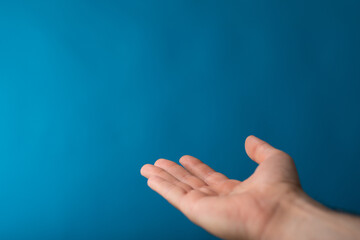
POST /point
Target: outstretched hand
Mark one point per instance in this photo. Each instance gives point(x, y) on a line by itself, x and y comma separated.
point(227, 208)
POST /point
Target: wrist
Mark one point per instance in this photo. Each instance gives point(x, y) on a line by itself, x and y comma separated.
point(300, 217)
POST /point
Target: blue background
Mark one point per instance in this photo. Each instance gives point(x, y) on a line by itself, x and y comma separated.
point(92, 90)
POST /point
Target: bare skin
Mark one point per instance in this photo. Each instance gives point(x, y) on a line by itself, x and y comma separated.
point(270, 204)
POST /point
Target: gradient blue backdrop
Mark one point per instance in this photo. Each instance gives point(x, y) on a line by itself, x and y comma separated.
point(92, 90)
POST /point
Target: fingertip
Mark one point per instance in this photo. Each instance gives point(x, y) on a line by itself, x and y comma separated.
point(154, 182)
point(250, 139)
point(256, 148)
point(183, 158)
point(250, 136)
point(143, 169)
point(151, 180)
point(248, 144)
point(159, 161)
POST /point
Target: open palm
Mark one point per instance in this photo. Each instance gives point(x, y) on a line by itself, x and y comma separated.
point(229, 209)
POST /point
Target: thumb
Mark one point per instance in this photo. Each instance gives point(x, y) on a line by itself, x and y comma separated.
point(259, 150)
point(278, 164)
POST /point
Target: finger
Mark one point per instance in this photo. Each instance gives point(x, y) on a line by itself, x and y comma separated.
point(171, 192)
point(259, 150)
point(149, 170)
point(201, 170)
point(189, 203)
point(180, 173)
point(177, 196)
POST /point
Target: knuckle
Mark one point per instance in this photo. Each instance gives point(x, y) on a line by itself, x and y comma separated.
point(210, 175)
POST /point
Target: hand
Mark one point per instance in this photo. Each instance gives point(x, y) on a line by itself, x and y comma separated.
point(229, 209)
